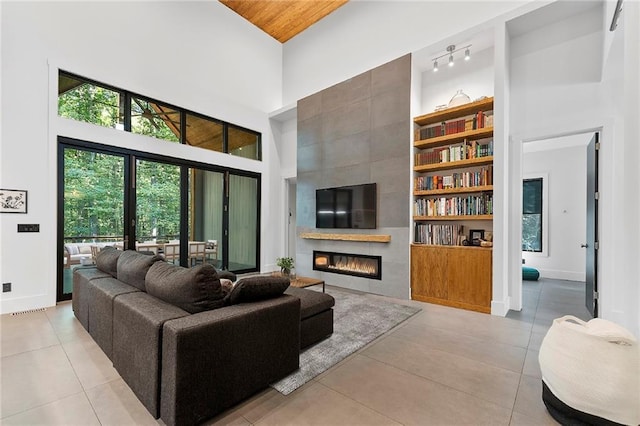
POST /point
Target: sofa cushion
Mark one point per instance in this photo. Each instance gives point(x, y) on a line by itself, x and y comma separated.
point(84, 249)
point(256, 288)
point(133, 266)
point(107, 260)
point(194, 289)
point(311, 302)
point(71, 249)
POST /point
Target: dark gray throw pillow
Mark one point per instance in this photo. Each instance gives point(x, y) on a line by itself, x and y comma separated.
point(194, 289)
point(107, 260)
point(256, 288)
point(133, 267)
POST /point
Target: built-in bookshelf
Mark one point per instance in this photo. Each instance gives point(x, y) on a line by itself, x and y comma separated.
point(453, 170)
point(452, 196)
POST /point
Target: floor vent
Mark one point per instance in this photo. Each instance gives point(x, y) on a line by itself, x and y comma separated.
point(29, 311)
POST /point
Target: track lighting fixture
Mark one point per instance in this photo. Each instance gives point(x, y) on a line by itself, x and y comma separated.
point(451, 49)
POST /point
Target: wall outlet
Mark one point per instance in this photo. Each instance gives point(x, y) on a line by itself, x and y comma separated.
point(6, 287)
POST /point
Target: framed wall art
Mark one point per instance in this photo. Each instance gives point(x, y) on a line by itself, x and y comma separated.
point(13, 201)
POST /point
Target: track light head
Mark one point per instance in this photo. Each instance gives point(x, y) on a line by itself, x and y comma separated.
point(451, 49)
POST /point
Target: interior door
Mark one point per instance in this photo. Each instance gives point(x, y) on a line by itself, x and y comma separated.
point(591, 246)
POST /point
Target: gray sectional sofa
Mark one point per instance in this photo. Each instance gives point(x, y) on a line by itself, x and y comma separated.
point(185, 345)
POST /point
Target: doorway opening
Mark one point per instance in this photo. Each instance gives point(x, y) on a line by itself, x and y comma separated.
point(559, 226)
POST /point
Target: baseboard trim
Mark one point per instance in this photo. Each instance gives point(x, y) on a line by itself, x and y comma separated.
point(500, 307)
point(562, 275)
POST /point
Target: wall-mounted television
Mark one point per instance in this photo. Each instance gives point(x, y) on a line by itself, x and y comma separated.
point(347, 207)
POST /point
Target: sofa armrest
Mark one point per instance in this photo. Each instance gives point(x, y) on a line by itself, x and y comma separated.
point(213, 360)
point(138, 319)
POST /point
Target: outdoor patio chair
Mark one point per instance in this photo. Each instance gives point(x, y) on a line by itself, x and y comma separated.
point(172, 252)
point(197, 251)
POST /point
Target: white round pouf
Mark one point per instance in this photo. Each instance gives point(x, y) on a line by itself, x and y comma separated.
point(590, 372)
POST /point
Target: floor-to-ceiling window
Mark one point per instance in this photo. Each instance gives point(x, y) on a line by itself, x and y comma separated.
point(188, 212)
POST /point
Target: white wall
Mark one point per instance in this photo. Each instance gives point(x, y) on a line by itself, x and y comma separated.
point(473, 77)
point(556, 73)
point(562, 162)
point(197, 55)
point(362, 35)
point(559, 87)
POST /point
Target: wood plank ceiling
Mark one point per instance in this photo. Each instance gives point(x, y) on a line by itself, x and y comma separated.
point(283, 19)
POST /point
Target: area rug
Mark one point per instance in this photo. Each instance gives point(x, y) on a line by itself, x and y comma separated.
point(357, 320)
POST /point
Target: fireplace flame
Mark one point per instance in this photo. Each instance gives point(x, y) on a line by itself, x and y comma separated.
point(349, 264)
point(361, 266)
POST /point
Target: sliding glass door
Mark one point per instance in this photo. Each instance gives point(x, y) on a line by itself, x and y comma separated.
point(157, 205)
point(207, 213)
point(91, 209)
point(244, 202)
point(190, 213)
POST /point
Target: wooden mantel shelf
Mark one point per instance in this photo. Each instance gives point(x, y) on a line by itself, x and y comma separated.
point(347, 237)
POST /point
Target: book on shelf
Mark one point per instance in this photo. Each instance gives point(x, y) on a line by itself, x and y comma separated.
point(479, 120)
point(465, 150)
point(469, 179)
point(443, 235)
point(470, 205)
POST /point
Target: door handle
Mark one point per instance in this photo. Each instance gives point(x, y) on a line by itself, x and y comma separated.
point(584, 245)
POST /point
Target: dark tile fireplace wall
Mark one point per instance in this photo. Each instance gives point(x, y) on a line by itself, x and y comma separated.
point(359, 131)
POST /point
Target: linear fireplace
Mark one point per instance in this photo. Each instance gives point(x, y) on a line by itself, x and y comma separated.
point(359, 265)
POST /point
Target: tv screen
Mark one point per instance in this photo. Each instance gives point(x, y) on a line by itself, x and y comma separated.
point(347, 207)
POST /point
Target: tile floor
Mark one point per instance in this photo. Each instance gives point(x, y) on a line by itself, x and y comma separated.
point(443, 366)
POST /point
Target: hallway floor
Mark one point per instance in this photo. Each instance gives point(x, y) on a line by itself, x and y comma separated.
point(443, 366)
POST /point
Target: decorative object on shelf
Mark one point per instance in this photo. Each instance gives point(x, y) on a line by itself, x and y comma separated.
point(441, 107)
point(285, 264)
point(13, 201)
point(460, 98)
point(451, 49)
point(476, 236)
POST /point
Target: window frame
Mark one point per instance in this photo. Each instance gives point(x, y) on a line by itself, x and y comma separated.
point(128, 96)
point(545, 214)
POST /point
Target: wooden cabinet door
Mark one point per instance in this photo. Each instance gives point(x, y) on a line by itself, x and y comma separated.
point(470, 277)
point(429, 272)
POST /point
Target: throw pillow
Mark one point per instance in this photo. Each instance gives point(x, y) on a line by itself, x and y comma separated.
point(133, 267)
point(71, 249)
point(84, 249)
point(194, 289)
point(107, 260)
point(256, 288)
